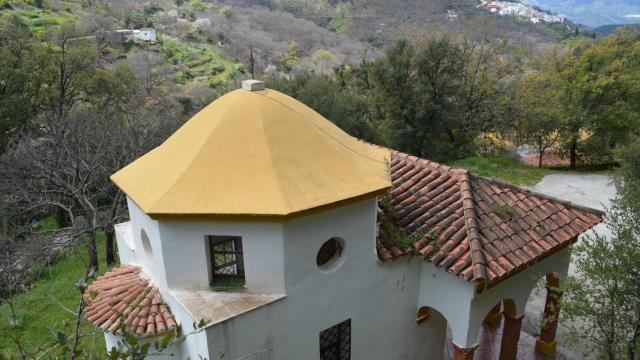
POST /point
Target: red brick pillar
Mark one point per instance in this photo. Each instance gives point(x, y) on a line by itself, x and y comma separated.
point(460, 353)
point(494, 316)
point(546, 343)
point(510, 337)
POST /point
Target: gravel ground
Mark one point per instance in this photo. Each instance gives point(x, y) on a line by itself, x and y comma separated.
point(595, 191)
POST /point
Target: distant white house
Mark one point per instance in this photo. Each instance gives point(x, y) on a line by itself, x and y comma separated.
point(144, 34)
point(292, 240)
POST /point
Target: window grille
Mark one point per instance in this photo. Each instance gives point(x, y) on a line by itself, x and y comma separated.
point(227, 262)
point(335, 342)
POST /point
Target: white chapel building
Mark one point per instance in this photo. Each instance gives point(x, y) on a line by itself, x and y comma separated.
point(286, 238)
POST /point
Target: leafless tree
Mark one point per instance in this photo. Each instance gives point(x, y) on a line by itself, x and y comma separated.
point(65, 162)
point(150, 68)
point(71, 53)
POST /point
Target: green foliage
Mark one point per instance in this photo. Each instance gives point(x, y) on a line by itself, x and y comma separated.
point(342, 99)
point(534, 106)
point(392, 230)
point(505, 212)
point(290, 59)
point(338, 24)
point(43, 307)
point(505, 168)
point(599, 84)
point(436, 95)
point(602, 301)
point(628, 176)
point(227, 12)
point(197, 5)
point(197, 62)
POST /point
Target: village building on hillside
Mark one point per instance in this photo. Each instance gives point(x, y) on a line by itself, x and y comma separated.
point(290, 239)
point(509, 8)
point(127, 35)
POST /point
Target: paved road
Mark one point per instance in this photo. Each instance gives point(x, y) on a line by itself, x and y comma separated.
point(594, 191)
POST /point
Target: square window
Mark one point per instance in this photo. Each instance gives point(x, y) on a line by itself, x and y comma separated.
point(335, 342)
point(226, 260)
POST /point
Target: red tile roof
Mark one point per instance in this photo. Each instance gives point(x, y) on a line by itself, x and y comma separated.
point(478, 228)
point(121, 295)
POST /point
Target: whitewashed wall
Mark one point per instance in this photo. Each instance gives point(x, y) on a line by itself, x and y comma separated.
point(465, 310)
point(379, 298)
point(186, 261)
point(152, 266)
point(173, 352)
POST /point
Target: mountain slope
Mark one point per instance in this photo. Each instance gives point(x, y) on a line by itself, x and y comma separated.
point(593, 12)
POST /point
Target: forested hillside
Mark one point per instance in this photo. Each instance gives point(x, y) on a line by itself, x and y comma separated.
point(81, 97)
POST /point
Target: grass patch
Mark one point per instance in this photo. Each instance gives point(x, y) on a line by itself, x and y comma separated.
point(39, 310)
point(338, 24)
point(504, 168)
point(39, 20)
point(194, 62)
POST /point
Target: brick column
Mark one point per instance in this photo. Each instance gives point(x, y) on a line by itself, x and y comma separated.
point(546, 343)
point(510, 337)
point(494, 316)
point(460, 353)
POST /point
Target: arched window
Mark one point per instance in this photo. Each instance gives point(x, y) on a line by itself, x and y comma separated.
point(422, 315)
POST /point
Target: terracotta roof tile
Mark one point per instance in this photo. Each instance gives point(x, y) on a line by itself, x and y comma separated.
point(122, 296)
point(475, 241)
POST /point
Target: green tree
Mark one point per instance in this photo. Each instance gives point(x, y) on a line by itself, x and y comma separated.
point(345, 102)
point(537, 113)
point(72, 61)
point(600, 91)
point(320, 57)
point(21, 77)
point(197, 5)
point(436, 96)
point(602, 302)
point(290, 59)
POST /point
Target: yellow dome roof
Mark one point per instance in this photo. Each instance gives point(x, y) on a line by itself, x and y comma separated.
point(253, 153)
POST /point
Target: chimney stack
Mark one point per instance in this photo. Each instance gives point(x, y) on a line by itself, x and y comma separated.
point(253, 85)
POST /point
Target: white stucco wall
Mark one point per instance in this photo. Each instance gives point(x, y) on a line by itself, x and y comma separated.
point(451, 296)
point(186, 262)
point(465, 310)
point(172, 352)
point(154, 265)
point(180, 258)
point(379, 298)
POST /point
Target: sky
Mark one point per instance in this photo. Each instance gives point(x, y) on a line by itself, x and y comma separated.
point(593, 12)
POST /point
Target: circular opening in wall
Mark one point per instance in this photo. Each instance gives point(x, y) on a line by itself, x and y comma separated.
point(146, 244)
point(331, 254)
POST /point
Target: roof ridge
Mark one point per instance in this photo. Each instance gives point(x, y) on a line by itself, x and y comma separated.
point(471, 224)
point(442, 168)
point(539, 194)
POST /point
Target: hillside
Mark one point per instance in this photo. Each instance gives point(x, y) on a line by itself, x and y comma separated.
point(378, 23)
point(593, 13)
point(608, 29)
point(204, 46)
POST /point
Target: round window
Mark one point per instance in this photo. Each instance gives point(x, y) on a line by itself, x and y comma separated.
point(330, 256)
point(146, 244)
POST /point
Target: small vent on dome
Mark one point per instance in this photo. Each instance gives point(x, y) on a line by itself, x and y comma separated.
point(253, 85)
